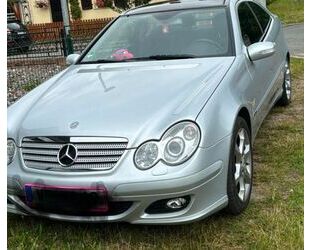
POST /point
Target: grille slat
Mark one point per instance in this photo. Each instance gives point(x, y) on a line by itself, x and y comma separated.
point(100, 152)
point(101, 146)
point(43, 145)
point(46, 145)
point(40, 158)
point(97, 159)
point(51, 166)
point(39, 151)
point(42, 153)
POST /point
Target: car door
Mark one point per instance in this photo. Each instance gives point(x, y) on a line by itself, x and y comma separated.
point(271, 33)
point(261, 71)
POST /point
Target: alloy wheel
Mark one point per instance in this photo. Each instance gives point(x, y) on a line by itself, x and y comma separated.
point(288, 81)
point(243, 165)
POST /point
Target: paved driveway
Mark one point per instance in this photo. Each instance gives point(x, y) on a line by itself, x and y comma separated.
point(295, 38)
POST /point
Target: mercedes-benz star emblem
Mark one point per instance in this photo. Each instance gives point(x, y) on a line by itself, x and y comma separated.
point(67, 155)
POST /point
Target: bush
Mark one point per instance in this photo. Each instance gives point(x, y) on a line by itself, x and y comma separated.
point(31, 85)
point(122, 4)
point(108, 4)
point(141, 2)
point(75, 9)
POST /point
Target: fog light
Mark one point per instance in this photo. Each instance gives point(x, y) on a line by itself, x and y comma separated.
point(176, 203)
point(168, 205)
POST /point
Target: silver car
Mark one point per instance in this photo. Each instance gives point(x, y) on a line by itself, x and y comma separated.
point(154, 122)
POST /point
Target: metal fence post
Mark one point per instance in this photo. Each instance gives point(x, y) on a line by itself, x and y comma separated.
point(68, 40)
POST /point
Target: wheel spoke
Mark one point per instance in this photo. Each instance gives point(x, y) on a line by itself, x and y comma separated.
point(238, 154)
point(247, 150)
point(287, 81)
point(237, 174)
point(247, 174)
point(242, 140)
point(242, 189)
point(243, 164)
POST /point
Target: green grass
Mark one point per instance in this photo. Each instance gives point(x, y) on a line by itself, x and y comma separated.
point(274, 219)
point(31, 85)
point(289, 11)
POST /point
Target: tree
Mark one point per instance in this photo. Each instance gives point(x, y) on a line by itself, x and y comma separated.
point(75, 9)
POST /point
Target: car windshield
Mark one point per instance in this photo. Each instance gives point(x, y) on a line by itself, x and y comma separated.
point(166, 35)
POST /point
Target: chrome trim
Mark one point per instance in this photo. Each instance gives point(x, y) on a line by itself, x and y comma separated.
point(79, 146)
point(42, 152)
point(56, 166)
point(97, 139)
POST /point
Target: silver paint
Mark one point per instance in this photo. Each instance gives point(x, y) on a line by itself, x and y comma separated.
point(139, 101)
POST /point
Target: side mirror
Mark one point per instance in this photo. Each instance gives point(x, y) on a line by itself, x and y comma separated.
point(261, 50)
point(72, 59)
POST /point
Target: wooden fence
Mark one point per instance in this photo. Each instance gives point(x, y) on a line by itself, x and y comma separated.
point(52, 31)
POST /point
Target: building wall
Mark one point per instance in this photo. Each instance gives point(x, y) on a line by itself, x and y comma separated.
point(43, 15)
point(39, 15)
point(98, 13)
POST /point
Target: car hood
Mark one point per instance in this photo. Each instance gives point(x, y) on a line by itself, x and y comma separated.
point(137, 100)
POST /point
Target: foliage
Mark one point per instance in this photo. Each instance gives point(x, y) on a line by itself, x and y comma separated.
point(42, 3)
point(289, 11)
point(122, 4)
point(141, 2)
point(270, 1)
point(109, 3)
point(75, 9)
point(31, 85)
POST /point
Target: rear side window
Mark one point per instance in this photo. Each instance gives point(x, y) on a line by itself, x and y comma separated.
point(262, 16)
point(250, 28)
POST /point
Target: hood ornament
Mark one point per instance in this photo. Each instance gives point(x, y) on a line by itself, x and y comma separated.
point(74, 125)
point(67, 155)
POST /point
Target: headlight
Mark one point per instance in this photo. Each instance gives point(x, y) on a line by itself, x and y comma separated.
point(176, 146)
point(11, 149)
point(146, 155)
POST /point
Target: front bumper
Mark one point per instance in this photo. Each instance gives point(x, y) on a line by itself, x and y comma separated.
point(206, 188)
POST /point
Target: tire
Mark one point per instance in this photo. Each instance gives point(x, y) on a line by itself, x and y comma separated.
point(240, 169)
point(287, 86)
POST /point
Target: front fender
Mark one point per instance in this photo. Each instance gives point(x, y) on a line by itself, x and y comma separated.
point(217, 118)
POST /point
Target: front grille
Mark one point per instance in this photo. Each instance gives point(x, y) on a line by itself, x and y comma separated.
point(93, 153)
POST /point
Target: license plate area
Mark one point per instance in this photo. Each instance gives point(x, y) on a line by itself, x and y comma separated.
point(78, 201)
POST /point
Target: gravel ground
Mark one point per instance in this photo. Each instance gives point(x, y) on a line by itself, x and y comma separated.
point(23, 78)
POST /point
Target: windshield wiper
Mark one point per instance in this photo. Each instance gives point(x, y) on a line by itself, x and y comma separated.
point(161, 57)
point(100, 61)
point(172, 57)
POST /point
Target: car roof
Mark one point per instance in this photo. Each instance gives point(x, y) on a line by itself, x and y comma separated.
point(175, 5)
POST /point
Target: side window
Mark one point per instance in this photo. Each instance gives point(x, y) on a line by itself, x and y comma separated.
point(250, 28)
point(262, 16)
